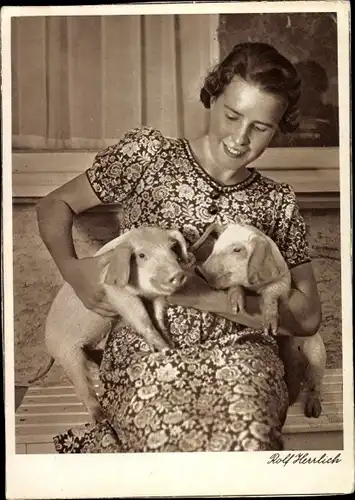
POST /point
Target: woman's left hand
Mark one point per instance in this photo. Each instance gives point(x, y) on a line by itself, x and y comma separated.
point(197, 293)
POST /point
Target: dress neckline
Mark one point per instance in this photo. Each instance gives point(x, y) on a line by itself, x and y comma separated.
point(253, 174)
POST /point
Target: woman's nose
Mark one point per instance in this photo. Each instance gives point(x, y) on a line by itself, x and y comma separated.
point(241, 136)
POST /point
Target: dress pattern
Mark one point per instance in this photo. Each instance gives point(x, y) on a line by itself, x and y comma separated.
point(221, 387)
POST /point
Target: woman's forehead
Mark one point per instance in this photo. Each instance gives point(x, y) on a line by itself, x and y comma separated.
point(247, 97)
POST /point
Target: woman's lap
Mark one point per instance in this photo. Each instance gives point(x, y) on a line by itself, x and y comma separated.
point(223, 394)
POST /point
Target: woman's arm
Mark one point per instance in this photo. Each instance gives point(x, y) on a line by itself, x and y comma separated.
point(300, 316)
point(55, 214)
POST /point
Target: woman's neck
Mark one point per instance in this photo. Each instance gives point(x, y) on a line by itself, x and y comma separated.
point(203, 156)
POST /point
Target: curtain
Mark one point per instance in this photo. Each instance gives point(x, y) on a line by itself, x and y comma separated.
point(80, 82)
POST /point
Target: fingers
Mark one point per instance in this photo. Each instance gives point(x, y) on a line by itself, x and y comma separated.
point(101, 308)
point(104, 312)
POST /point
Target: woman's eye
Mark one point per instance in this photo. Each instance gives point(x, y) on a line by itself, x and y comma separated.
point(260, 129)
point(141, 255)
point(232, 118)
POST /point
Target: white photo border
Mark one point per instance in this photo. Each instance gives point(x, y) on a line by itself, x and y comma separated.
point(185, 474)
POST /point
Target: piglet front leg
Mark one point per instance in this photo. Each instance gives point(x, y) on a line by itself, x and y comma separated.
point(132, 310)
point(314, 350)
point(270, 313)
point(236, 299)
point(159, 306)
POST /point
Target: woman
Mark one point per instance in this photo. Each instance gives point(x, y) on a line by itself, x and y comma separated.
point(221, 388)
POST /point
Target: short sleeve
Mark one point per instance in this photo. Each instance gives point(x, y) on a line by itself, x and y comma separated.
point(117, 169)
point(290, 232)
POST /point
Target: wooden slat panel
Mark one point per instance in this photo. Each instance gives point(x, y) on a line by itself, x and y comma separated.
point(47, 419)
point(52, 390)
point(49, 162)
point(298, 158)
point(314, 441)
point(41, 434)
point(51, 409)
point(20, 448)
point(35, 448)
point(328, 407)
point(41, 178)
point(69, 399)
point(334, 416)
point(312, 180)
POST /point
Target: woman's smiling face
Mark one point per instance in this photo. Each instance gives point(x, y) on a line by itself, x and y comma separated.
point(243, 121)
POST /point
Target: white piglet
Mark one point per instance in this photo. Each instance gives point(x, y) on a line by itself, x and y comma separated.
point(245, 258)
point(146, 262)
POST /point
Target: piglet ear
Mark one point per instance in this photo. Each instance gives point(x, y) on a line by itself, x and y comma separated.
point(120, 266)
point(218, 229)
point(262, 265)
point(176, 236)
point(214, 228)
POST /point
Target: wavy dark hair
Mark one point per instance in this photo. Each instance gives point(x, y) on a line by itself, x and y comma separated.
point(262, 65)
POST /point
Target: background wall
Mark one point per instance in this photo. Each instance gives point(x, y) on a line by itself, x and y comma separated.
point(309, 40)
point(80, 82)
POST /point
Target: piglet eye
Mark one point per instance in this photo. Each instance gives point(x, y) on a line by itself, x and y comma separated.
point(177, 250)
point(141, 255)
point(237, 250)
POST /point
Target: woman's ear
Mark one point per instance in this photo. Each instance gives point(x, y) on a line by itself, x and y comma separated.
point(120, 266)
point(262, 265)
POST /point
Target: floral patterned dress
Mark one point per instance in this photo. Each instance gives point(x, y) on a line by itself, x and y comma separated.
point(221, 388)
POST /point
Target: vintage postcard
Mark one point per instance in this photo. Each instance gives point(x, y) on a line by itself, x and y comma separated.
point(176, 249)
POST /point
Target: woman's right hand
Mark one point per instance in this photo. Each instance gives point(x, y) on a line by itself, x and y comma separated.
point(86, 277)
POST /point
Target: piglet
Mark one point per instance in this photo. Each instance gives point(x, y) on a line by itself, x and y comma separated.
point(243, 257)
point(146, 263)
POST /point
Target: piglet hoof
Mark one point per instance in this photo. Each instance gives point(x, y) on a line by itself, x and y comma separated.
point(313, 407)
point(270, 328)
point(236, 300)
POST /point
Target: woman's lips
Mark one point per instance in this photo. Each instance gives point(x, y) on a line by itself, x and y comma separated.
point(233, 153)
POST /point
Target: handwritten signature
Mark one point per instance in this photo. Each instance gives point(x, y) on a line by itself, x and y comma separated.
point(303, 458)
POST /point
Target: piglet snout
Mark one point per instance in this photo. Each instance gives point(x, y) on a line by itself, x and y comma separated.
point(177, 279)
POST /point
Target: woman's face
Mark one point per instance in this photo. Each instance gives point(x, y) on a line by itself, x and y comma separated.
point(243, 121)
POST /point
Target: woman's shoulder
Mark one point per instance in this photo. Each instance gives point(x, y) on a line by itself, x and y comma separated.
point(136, 144)
point(145, 136)
point(280, 188)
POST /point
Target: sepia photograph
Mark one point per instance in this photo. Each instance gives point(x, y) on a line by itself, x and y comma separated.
point(176, 239)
